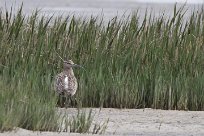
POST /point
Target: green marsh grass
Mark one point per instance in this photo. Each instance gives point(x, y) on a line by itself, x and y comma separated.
point(27, 98)
point(155, 64)
point(83, 123)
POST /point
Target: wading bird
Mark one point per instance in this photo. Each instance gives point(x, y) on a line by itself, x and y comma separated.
point(66, 83)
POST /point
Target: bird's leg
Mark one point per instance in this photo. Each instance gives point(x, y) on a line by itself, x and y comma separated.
point(63, 101)
point(60, 101)
point(71, 102)
point(67, 101)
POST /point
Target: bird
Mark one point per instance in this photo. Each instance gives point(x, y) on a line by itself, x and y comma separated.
point(66, 83)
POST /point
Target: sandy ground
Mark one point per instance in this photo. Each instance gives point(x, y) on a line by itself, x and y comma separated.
point(141, 122)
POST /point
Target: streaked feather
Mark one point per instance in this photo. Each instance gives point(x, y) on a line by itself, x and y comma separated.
point(65, 84)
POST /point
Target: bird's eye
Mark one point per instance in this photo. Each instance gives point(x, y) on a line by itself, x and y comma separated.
point(66, 62)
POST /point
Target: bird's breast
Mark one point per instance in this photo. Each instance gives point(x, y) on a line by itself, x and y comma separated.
point(66, 82)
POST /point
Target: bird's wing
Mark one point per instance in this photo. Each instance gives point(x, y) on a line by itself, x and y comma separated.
point(59, 83)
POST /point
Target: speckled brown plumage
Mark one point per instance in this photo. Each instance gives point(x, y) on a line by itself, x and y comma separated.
point(66, 83)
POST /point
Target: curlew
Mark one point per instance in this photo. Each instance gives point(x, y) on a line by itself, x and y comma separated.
point(66, 83)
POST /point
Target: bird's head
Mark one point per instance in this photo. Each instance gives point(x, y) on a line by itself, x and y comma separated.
point(69, 64)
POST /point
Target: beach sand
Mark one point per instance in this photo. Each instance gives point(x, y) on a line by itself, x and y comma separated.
point(142, 122)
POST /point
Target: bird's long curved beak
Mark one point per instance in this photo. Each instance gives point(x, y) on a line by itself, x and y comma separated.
point(76, 65)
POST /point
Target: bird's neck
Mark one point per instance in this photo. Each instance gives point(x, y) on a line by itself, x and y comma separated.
point(69, 71)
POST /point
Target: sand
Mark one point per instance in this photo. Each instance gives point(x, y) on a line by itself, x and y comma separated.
point(141, 122)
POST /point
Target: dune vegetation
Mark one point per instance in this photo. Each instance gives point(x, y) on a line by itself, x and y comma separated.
point(154, 64)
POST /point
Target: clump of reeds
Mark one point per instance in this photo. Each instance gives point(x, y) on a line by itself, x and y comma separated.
point(27, 67)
